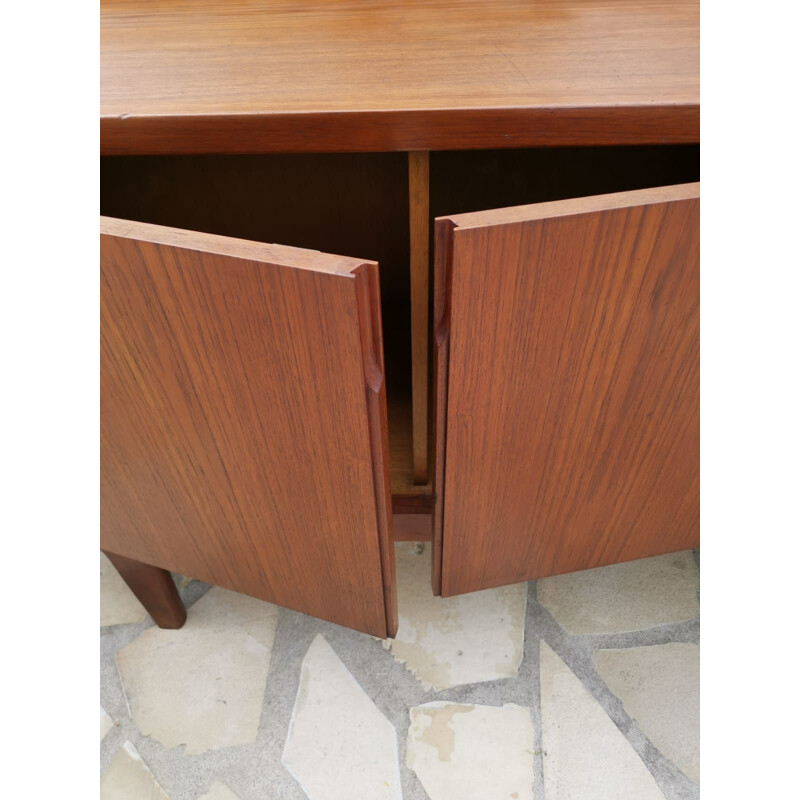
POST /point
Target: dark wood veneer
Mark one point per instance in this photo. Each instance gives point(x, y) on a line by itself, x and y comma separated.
point(568, 382)
point(243, 423)
point(155, 589)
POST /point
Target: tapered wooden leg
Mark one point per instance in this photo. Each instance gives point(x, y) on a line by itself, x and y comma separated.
point(155, 589)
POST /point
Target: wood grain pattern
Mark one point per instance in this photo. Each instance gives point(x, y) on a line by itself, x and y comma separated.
point(464, 181)
point(572, 386)
point(274, 76)
point(351, 203)
point(155, 590)
point(442, 272)
point(419, 222)
point(412, 527)
point(401, 447)
point(406, 495)
point(243, 421)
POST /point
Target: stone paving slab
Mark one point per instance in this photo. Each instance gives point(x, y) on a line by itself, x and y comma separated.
point(293, 682)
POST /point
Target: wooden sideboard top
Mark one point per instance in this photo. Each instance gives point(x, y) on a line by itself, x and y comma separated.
point(201, 76)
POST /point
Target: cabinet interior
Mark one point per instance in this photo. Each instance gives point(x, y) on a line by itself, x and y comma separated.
point(356, 204)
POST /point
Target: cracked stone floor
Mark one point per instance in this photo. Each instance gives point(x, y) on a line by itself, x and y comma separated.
point(578, 686)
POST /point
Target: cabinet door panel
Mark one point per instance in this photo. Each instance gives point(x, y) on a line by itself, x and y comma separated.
point(567, 380)
point(243, 419)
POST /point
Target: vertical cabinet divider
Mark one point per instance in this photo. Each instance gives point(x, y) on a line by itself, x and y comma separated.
point(418, 223)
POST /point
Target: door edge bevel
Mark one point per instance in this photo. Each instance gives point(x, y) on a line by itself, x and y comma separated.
point(367, 285)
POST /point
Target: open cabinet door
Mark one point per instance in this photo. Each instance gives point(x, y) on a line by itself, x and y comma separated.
point(243, 420)
point(567, 386)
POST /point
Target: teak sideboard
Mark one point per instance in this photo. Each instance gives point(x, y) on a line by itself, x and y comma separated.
point(406, 270)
